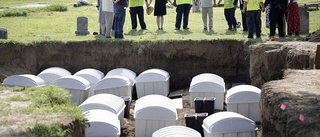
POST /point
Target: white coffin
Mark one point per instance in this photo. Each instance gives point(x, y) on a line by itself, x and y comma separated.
point(153, 112)
point(117, 85)
point(208, 85)
point(24, 80)
point(92, 75)
point(244, 99)
point(106, 102)
point(176, 131)
point(152, 81)
point(77, 86)
point(51, 74)
point(228, 124)
point(122, 72)
point(102, 124)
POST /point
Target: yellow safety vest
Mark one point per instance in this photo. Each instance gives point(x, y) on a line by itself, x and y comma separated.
point(253, 4)
point(228, 4)
point(180, 2)
point(136, 3)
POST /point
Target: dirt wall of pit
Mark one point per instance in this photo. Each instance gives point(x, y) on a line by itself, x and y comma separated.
point(182, 59)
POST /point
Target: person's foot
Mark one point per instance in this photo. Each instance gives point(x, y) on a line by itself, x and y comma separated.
point(250, 36)
point(161, 28)
point(272, 38)
point(205, 28)
point(210, 28)
point(177, 28)
point(134, 28)
point(297, 34)
point(245, 30)
point(108, 37)
point(186, 28)
point(144, 29)
point(230, 28)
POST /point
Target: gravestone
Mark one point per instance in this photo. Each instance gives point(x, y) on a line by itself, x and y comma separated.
point(3, 33)
point(304, 20)
point(82, 26)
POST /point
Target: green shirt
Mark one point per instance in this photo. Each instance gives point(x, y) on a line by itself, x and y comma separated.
point(136, 3)
point(180, 2)
point(228, 4)
point(253, 4)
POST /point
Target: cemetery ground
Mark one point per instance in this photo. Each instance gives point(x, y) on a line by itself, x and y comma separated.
point(55, 27)
point(61, 26)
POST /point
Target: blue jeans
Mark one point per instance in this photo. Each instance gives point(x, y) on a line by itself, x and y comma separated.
point(134, 11)
point(254, 23)
point(185, 10)
point(119, 18)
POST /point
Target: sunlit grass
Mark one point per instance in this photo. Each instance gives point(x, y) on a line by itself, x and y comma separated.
point(61, 26)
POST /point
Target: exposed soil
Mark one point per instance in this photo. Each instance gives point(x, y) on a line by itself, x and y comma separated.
point(313, 37)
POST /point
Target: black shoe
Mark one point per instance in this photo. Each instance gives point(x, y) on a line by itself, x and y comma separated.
point(250, 37)
point(161, 28)
point(108, 37)
point(229, 28)
point(177, 28)
point(144, 29)
point(185, 28)
point(205, 28)
point(245, 30)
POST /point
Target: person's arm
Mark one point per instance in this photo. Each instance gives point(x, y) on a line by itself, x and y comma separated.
point(235, 3)
point(219, 2)
point(244, 6)
point(262, 7)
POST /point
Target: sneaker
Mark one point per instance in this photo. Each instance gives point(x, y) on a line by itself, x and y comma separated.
point(271, 38)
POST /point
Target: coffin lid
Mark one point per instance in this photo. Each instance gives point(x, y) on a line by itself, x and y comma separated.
point(51, 74)
point(243, 94)
point(153, 75)
point(176, 131)
point(90, 74)
point(107, 102)
point(24, 80)
point(112, 82)
point(207, 82)
point(228, 122)
point(102, 123)
point(122, 72)
point(72, 82)
point(155, 107)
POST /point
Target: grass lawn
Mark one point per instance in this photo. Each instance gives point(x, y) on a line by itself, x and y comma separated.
point(61, 26)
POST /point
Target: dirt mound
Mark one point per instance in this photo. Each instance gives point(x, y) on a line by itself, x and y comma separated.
point(313, 37)
point(269, 60)
point(290, 107)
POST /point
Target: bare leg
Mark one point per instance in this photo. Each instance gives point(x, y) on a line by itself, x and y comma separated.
point(162, 20)
point(158, 22)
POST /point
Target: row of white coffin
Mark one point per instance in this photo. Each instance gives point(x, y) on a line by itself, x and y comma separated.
point(155, 116)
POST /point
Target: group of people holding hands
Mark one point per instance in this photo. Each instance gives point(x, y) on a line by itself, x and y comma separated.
point(279, 12)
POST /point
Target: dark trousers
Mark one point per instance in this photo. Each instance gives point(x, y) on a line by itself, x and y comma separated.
point(182, 10)
point(244, 22)
point(276, 18)
point(229, 15)
point(254, 23)
point(134, 11)
point(119, 19)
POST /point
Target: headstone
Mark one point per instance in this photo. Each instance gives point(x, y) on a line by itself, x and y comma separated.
point(82, 26)
point(304, 20)
point(3, 33)
point(317, 60)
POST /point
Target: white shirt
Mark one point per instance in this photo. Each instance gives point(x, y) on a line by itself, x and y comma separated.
point(107, 5)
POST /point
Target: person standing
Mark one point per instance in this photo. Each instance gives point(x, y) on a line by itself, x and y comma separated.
point(119, 17)
point(107, 8)
point(229, 13)
point(293, 17)
point(101, 20)
point(207, 10)
point(136, 9)
point(277, 10)
point(243, 17)
point(159, 11)
point(253, 16)
point(183, 10)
